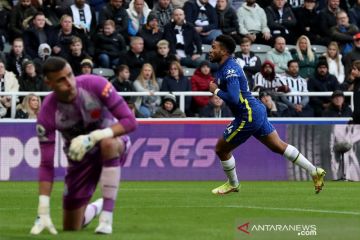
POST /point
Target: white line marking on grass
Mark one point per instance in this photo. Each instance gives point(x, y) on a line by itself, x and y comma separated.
point(226, 206)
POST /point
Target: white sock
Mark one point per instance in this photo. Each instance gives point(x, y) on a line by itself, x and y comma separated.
point(106, 216)
point(292, 154)
point(92, 210)
point(230, 170)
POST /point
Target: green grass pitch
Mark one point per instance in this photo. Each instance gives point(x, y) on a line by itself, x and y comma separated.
point(187, 210)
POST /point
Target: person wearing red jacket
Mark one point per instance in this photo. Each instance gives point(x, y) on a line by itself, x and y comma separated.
point(200, 82)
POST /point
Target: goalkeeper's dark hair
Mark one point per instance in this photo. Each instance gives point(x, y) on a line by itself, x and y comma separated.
point(227, 42)
point(53, 64)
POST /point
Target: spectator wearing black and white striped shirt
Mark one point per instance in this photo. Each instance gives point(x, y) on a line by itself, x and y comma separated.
point(267, 79)
point(298, 105)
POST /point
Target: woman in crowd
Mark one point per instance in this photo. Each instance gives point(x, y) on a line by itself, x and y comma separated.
point(29, 108)
point(333, 58)
point(146, 82)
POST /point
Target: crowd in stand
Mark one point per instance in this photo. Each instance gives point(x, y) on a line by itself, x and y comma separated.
point(149, 43)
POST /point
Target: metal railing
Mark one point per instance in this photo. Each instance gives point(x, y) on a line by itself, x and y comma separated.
point(182, 96)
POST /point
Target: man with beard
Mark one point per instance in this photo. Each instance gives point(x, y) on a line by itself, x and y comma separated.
point(322, 81)
point(250, 119)
point(268, 80)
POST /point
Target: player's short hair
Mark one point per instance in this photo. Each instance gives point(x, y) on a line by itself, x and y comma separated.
point(53, 64)
point(227, 42)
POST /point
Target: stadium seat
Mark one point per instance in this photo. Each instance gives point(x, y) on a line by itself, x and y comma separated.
point(260, 48)
point(319, 49)
point(289, 47)
point(188, 72)
point(105, 72)
point(205, 48)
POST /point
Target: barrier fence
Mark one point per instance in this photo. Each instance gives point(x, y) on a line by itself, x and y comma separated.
point(181, 95)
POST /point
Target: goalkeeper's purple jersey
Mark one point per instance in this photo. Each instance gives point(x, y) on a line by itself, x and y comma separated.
point(96, 106)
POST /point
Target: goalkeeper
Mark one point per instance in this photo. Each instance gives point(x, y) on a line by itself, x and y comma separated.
point(93, 120)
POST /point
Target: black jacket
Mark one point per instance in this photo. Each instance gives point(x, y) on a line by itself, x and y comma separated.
point(133, 62)
point(113, 45)
point(192, 11)
point(119, 16)
point(228, 21)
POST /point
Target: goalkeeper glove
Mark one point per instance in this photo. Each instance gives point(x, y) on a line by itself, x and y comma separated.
point(82, 144)
point(43, 220)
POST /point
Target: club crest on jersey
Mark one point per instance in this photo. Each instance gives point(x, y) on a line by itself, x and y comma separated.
point(231, 73)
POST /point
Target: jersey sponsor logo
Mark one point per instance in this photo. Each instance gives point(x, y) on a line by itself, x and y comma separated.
point(107, 90)
point(41, 132)
point(231, 73)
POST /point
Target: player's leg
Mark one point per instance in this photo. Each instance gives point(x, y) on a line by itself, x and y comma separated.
point(274, 143)
point(73, 219)
point(236, 133)
point(111, 149)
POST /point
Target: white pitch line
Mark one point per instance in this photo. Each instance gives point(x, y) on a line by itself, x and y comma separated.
point(226, 206)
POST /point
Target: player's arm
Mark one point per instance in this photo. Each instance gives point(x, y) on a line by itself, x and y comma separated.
point(232, 95)
point(120, 110)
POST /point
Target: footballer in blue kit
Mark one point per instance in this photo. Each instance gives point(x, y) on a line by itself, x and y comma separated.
point(231, 85)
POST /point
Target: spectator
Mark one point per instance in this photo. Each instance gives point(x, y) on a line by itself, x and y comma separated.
point(163, 11)
point(151, 33)
point(175, 81)
point(322, 81)
point(83, 16)
point(135, 57)
point(273, 108)
point(23, 10)
point(281, 20)
point(216, 108)
point(39, 32)
point(306, 57)
point(29, 107)
point(354, 85)
point(253, 22)
point(250, 63)
point(182, 37)
point(5, 14)
point(121, 80)
point(228, 20)
point(279, 55)
point(337, 107)
point(44, 52)
point(334, 60)
point(63, 36)
point(327, 19)
point(200, 82)
point(169, 108)
point(77, 54)
point(308, 21)
point(203, 16)
point(16, 56)
point(31, 81)
point(298, 105)
point(352, 56)
point(115, 10)
point(354, 14)
point(109, 45)
point(86, 66)
point(146, 82)
point(8, 83)
point(138, 12)
point(162, 59)
point(268, 80)
point(343, 32)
